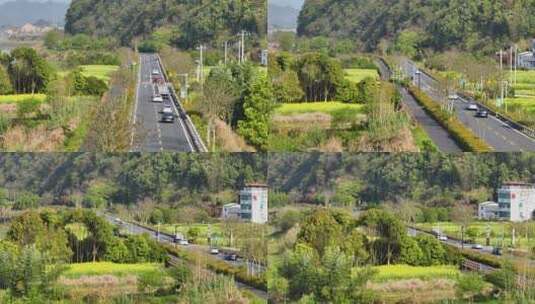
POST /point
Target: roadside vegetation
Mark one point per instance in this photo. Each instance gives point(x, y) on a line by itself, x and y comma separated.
point(334, 104)
point(50, 96)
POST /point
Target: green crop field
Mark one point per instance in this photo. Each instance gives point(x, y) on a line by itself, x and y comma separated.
point(405, 272)
point(524, 91)
point(357, 75)
point(322, 107)
point(498, 231)
point(99, 71)
point(6, 99)
point(106, 268)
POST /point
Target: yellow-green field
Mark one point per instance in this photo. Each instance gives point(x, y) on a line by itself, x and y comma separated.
point(357, 75)
point(525, 91)
point(322, 107)
point(405, 272)
point(107, 268)
point(19, 97)
point(99, 71)
point(498, 230)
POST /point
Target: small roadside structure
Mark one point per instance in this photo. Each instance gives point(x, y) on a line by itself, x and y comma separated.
point(526, 60)
point(488, 211)
point(231, 211)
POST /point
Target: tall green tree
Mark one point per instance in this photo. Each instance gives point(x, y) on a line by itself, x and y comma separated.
point(258, 107)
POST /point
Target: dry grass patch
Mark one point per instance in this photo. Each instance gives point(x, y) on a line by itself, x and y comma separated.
point(302, 122)
point(401, 142)
point(228, 140)
point(415, 290)
point(39, 139)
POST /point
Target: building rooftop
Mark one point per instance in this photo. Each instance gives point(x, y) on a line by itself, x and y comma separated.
point(518, 184)
point(256, 185)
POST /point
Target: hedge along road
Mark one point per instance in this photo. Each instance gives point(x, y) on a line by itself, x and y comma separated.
point(438, 134)
point(165, 239)
point(496, 133)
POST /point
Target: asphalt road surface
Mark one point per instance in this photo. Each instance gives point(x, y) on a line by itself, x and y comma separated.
point(152, 135)
point(498, 134)
point(439, 135)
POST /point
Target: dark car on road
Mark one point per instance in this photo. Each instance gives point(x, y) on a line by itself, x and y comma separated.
point(168, 116)
point(482, 114)
point(231, 257)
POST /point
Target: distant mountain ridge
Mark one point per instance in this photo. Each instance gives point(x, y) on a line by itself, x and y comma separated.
point(17, 13)
point(282, 16)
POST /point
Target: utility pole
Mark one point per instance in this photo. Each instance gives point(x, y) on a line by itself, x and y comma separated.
point(243, 46)
point(501, 60)
point(511, 64)
point(226, 51)
point(201, 66)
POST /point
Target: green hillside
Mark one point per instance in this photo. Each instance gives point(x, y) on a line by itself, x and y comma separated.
point(472, 25)
point(191, 22)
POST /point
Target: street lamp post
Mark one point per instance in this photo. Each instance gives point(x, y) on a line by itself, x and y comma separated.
point(419, 75)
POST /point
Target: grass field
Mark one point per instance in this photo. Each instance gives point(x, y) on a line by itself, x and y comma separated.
point(322, 107)
point(405, 272)
point(99, 71)
point(6, 99)
point(106, 268)
point(422, 139)
point(357, 75)
point(524, 91)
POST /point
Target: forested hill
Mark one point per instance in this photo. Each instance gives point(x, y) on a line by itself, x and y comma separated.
point(129, 178)
point(440, 180)
point(471, 25)
point(192, 22)
point(435, 179)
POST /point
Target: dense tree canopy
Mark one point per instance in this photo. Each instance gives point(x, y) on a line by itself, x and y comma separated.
point(474, 25)
point(192, 22)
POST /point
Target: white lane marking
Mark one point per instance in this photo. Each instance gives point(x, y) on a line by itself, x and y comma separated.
point(136, 103)
point(158, 127)
point(177, 113)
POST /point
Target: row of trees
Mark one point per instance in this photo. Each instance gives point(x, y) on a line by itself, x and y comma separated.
point(24, 71)
point(318, 77)
point(78, 236)
point(331, 244)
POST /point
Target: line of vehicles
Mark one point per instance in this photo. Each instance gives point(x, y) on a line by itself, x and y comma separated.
point(161, 94)
point(474, 246)
point(480, 113)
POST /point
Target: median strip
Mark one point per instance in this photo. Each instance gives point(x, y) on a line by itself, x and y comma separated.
point(465, 137)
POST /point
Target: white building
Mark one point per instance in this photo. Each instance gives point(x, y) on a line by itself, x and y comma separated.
point(527, 59)
point(488, 211)
point(231, 211)
point(254, 203)
point(516, 202)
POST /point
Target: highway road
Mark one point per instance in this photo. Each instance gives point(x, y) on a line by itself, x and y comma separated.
point(498, 134)
point(438, 134)
point(132, 228)
point(152, 135)
point(484, 249)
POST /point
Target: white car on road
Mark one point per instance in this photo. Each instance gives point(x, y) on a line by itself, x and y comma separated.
point(155, 72)
point(157, 99)
point(214, 251)
point(183, 242)
point(443, 238)
point(477, 247)
point(472, 107)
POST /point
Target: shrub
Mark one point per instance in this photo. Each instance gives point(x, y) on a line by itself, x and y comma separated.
point(463, 135)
